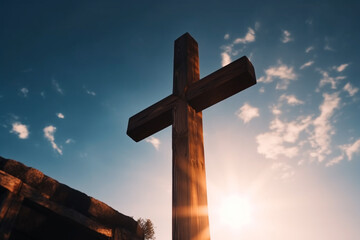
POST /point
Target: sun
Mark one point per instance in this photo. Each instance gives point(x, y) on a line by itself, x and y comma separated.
point(236, 212)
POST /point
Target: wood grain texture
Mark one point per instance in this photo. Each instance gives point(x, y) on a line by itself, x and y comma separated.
point(152, 119)
point(12, 208)
point(9, 182)
point(221, 84)
point(31, 194)
point(190, 216)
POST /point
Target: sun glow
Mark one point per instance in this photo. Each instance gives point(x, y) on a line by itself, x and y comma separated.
point(236, 212)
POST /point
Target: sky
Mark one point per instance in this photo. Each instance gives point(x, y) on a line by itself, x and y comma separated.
point(282, 155)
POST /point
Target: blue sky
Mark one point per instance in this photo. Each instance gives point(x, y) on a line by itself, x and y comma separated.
point(73, 72)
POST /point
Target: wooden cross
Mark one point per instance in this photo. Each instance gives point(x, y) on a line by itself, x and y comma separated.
point(183, 109)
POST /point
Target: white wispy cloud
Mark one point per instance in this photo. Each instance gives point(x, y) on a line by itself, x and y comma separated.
point(350, 89)
point(276, 110)
point(247, 113)
point(341, 67)
point(20, 129)
point(249, 37)
point(24, 91)
point(309, 49)
point(351, 149)
point(92, 93)
point(154, 141)
point(271, 145)
point(291, 99)
point(282, 137)
point(225, 59)
point(327, 46)
point(282, 72)
point(323, 129)
point(60, 115)
point(49, 132)
point(229, 50)
point(307, 64)
point(69, 140)
point(327, 79)
point(57, 86)
point(286, 36)
point(335, 160)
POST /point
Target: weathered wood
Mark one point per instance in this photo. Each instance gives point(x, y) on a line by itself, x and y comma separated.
point(152, 119)
point(12, 206)
point(186, 64)
point(183, 109)
point(9, 182)
point(221, 84)
point(189, 182)
point(201, 94)
point(41, 199)
point(5, 202)
point(117, 234)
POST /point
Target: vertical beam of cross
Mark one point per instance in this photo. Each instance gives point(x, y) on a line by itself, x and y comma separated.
point(189, 214)
point(182, 109)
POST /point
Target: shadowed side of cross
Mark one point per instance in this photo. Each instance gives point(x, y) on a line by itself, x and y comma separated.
point(182, 110)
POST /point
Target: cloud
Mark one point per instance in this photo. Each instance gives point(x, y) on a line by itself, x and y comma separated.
point(228, 50)
point(335, 160)
point(282, 137)
point(307, 50)
point(24, 91)
point(286, 170)
point(327, 79)
point(249, 37)
point(247, 113)
point(323, 130)
point(276, 110)
point(42, 94)
point(282, 72)
point(341, 68)
point(60, 115)
point(327, 46)
point(225, 59)
point(286, 36)
point(290, 99)
point(351, 149)
point(350, 89)
point(154, 141)
point(270, 144)
point(20, 129)
point(57, 86)
point(261, 90)
point(91, 93)
point(49, 132)
point(307, 64)
point(69, 140)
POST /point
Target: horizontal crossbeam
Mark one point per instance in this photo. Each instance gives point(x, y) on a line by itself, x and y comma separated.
point(221, 84)
point(202, 94)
